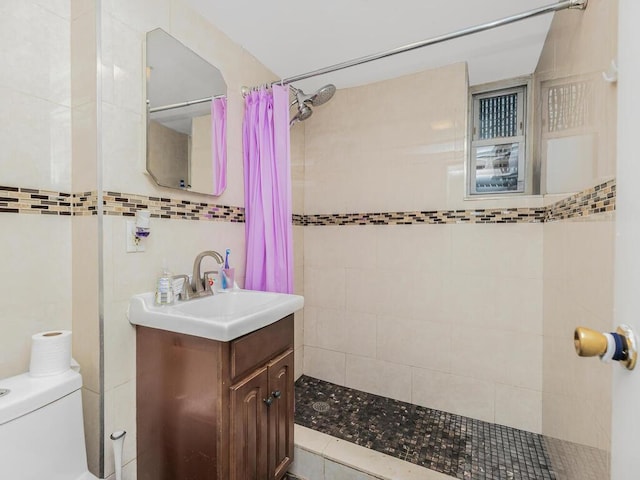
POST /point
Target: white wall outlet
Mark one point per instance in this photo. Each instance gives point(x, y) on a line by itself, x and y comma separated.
point(134, 244)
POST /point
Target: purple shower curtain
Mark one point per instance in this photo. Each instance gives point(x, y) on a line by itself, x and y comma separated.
point(219, 144)
point(267, 191)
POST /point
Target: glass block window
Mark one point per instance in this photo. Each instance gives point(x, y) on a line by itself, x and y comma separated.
point(497, 150)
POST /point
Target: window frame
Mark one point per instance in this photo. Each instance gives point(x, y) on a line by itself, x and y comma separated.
point(526, 169)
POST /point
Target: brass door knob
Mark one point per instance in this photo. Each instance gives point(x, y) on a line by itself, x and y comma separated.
point(589, 343)
point(620, 345)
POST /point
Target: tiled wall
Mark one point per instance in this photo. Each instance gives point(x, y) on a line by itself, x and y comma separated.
point(35, 135)
point(578, 254)
point(75, 265)
point(435, 299)
point(427, 304)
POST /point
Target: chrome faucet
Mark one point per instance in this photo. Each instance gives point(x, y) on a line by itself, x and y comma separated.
point(199, 281)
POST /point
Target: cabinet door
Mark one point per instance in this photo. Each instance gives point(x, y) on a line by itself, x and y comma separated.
point(281, 415)
point(248, 427)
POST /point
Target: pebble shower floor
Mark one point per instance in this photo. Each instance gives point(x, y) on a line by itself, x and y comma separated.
point(458, 446)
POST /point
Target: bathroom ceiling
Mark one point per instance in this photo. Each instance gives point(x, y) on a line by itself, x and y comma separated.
point(291, 37)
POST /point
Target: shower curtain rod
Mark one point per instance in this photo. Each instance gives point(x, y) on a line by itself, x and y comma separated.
point(562, 5)
point(183, 104)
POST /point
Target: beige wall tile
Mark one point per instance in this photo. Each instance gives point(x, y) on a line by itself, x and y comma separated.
point(325, 364)
point(325, 287)
point(31, 268)
point(379, 377)
point(41, 144)
point(298, 361)
point(86, 327)
point(331, 329)
point(365, 288)
point(415, 342)
point(362, 334)
point(578, 290)
point(340, 247)
point(83, 48)
point(491, 355)
point(368, 162)
point(119, 346)
point(519, 408)
point(512, 250)
point(578, 255)
point(298, 328)
point(413, 248)
point(455, 394)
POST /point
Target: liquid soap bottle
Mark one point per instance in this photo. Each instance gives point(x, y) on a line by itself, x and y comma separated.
point(164, 287)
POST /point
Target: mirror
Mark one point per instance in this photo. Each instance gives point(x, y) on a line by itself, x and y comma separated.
point(185, 148)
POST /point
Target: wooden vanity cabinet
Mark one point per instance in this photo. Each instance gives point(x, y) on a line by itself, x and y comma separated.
point(215, 410)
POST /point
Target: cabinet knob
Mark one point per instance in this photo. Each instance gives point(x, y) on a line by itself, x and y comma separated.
point(268, 401)
point(276, 394)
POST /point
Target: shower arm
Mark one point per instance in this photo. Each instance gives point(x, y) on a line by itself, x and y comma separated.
point(563, 5)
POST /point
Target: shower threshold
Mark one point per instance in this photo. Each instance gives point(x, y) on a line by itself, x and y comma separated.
point(384, 438)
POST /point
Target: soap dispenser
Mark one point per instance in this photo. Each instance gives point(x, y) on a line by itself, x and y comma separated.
point(164, 288)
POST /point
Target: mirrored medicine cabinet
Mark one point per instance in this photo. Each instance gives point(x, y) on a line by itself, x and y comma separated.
point(181, 87)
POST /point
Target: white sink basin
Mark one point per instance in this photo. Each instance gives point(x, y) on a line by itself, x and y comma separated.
point(223, 317)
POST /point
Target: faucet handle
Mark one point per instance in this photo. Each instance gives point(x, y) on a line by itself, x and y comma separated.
point(186, 293)
point(209, 279)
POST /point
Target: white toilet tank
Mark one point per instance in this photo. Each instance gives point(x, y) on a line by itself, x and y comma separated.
point(41, 428)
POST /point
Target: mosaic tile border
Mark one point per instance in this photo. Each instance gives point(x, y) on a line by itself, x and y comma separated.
point(28, 200)
point(598, 199)
point(592, 201)
point(32, 201)
point(435, 217)
point(125, 204)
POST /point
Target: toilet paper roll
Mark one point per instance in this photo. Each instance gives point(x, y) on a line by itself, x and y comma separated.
point(50, 353)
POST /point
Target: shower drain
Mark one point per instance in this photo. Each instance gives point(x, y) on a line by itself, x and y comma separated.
point(321, 407)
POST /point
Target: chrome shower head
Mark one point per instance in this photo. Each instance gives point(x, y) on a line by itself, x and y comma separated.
point(323, 95)
point(320, 97)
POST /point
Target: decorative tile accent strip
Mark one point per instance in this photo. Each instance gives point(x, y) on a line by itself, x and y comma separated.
point(598, 199)
point(85, 203)
point(298, 220)
point(125, 204)
point(29, 200)
point(501, 215)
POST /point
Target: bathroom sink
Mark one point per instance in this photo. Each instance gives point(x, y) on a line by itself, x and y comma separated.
point(223, 317)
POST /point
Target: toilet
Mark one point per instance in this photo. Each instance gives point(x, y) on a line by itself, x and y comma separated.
point(41, 428)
